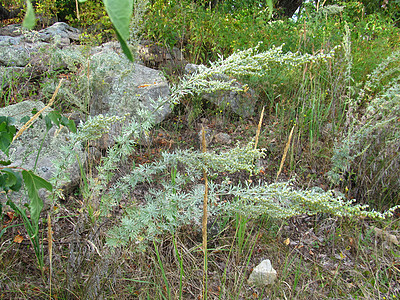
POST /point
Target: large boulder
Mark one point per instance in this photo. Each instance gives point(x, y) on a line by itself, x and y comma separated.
point(105, 82)
point(59, 33)
point(15, 52)
point(121, 87)
point(35, 147)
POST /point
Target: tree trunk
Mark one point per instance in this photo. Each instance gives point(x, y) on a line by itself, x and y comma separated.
point(287, 8)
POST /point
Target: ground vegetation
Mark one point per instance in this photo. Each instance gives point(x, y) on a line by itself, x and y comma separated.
point(293, 187)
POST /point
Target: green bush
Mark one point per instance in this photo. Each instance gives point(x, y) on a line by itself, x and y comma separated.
point(366, 159)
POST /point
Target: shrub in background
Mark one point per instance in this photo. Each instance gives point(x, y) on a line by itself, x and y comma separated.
point(366, 158)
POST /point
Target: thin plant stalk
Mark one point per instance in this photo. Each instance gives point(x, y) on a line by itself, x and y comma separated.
point(162, 271)
point(249, 256)
point(204, 221)
point(259, 128)
point(50, 247)
point(181, 271)
point(240, 234)
point(258, 131)
point(226, 266)
point(296, 276)
point(77, 10)
point(285, 153)
point(34, 117)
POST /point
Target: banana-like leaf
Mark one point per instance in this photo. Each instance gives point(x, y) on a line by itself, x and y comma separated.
point(120, 13)
point(32, 184)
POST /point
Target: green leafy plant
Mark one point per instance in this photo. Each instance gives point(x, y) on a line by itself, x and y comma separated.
point(13, 178)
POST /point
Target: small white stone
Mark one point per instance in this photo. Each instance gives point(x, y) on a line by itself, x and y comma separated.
point(262, 275)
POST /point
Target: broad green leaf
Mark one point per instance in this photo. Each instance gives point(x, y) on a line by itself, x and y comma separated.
point(64, 121)
point(6, 119)
point(82, 1)
point(7, 179)
point(7, 132)
point(10, 180)
point(71, 126)
point(5, 141)
point(48, 122)
point(51, 118)
point(21, 212)
point(5, 162)
point(32, 184)
point(25, 119)
point(29, 19)
point(120, 13)
point(125, 47)
point(55, 116)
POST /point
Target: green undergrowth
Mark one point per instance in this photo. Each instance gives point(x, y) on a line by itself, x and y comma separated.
point(132, 229)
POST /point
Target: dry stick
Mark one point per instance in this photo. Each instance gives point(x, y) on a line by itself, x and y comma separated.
point(33, 119)
point(259, 128)
point(77, 9)
point(204, 221)
point(50, 245)
point(257, 134)
point(285, 153)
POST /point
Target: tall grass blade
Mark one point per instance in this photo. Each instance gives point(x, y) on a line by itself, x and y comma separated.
point(181, 271)
point(204, 221)
point(162, 271)
point(50, 246)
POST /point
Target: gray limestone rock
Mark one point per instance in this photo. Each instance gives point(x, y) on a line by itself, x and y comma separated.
point(155, 56)
point(223, 138)
point(11, 30)
point(124, 87)
point(24, 150)
point(105, 82)
point(60, 33)
point(17, 50)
